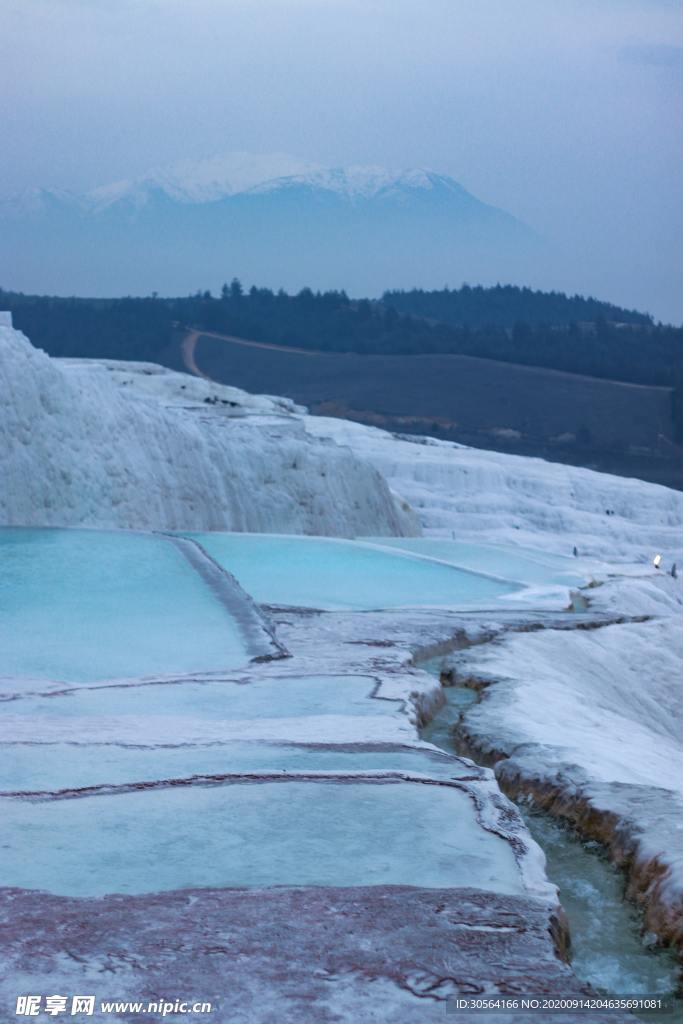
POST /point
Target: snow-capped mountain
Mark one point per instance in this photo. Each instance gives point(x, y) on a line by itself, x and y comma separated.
point(213, 180)
point(203, 181)
point(222, 177)
point(365, 183)
point(271, 219)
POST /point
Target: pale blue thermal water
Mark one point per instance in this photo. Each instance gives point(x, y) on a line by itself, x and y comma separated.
point(510, 564)
point(318, 572)
point(31, 768)
point(254, 834)
point(607, 945)
point(81, 605)
point(281, 697)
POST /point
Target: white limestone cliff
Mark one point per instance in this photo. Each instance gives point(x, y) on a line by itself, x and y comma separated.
point(85, 443)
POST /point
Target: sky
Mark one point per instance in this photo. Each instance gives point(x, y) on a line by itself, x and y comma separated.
point(566, 113)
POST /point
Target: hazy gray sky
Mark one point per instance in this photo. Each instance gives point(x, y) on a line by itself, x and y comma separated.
point(565, 112)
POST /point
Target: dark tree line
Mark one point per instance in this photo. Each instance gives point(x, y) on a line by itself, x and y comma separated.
point(506, 305)
point(633, 350)
point(138, 329)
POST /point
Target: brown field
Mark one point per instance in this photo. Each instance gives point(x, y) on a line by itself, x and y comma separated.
point(607, 425)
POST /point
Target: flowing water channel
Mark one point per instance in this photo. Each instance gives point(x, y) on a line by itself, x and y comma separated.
point(609, 950)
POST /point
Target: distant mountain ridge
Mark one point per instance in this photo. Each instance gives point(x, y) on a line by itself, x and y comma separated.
point(211, 181)
point(361, 228)
point(189, 181)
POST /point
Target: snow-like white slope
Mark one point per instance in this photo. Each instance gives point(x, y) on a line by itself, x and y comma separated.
point(478, 495)
point(84, 444)
point(358, 182)
point(632, 734)
point(179, 390)
point(205, 180)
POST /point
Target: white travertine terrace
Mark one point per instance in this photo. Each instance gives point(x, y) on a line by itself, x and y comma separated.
point(86, 443)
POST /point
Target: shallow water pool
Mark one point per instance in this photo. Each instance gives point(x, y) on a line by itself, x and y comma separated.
point(31, 767)
point(85, 605)
point(254, 834)
point(318, 572)
point(281, 697)
point(508, 563)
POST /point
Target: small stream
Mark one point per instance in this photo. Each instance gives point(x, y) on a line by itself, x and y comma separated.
point(608, 948)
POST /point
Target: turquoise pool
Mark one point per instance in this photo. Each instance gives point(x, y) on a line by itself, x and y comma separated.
point(58, 766)
point(85, 605)
point(519, 565)
point(254, 834)
point(317, 572)
point(281, 697)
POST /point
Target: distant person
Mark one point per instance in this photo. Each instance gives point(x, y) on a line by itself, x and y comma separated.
point(576, 551)
point(674, 572)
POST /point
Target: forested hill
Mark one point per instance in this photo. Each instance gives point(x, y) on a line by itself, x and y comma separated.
point(635, 351)
point(506, 305)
